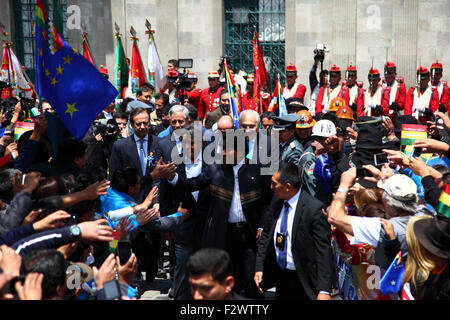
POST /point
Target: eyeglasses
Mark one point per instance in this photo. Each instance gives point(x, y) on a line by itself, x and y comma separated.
point(177, 121)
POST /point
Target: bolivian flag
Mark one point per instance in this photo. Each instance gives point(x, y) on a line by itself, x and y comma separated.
point(444, 202)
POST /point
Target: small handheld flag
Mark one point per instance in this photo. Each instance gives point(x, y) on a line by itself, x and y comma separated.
point(392, 279)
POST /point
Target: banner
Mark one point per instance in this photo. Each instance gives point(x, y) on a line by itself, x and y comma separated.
point(137, 74)
point(13, 73)
point(120, 67)
point(156, 75)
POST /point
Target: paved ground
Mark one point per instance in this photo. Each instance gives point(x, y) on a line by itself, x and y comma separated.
point(159, 288)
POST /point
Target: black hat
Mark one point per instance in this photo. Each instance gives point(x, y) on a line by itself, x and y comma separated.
point(285, 122)
point(295, 103)
point(404, 120)
point(434, 235)
point(369, 137)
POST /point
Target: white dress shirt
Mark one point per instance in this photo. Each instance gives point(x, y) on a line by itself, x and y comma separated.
point(236, 214)
point(292, 207)
point(192, 170)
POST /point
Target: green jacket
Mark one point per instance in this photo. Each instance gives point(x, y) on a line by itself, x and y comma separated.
point(310, 183)
point(291, 151)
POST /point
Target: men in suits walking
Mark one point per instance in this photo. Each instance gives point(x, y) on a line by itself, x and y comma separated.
point(295, 253)
point(237, 207)
point(187, 236)
point(138, 151)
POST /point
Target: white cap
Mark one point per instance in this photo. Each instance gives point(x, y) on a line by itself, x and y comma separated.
point(400, 187)
point(324, 128)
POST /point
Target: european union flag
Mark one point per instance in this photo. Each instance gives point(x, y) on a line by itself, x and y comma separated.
point(76, 90)
point(393, 277)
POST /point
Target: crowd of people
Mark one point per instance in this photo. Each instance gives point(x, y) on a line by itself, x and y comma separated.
point(168, 172)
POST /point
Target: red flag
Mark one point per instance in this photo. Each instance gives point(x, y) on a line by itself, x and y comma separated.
point(261, 76)
point(86, 48)
point(137, 72)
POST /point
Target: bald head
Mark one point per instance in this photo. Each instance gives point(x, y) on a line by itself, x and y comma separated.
point(249, 120)
point(225, 122)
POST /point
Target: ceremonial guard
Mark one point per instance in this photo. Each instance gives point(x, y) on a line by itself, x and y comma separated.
point(292, 89)
point(372, 96)
point(393, 94)
point(355, 92)
point(193, 93)
point(210, 97)
point(421, 100)
point(335, 89)
point(440, 86)
point(248, 100)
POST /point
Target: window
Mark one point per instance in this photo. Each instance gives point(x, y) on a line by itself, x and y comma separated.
point(25, 20)
point(269, 18)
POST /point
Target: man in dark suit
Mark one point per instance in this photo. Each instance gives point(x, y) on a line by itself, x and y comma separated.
point(239, 199)
point(138, 151)
point(295, 253)
point(186, 236)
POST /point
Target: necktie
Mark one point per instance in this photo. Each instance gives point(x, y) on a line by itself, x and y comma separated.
point(142, 156)
point(282, 255)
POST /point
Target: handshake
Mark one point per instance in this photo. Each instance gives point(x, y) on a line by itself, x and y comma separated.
point(164, 170)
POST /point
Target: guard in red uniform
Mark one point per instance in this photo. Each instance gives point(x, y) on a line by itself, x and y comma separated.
point(421, 100)
point(440, 86)
point(335, 89)
point(194, 93)
point(393, 94)
point(293, 89)
point(372, 96)
point(249, 102)
point(355, 92)
point(210, 97)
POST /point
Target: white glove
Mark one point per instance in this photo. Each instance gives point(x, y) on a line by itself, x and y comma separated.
point(372, 104)
point(418, 106)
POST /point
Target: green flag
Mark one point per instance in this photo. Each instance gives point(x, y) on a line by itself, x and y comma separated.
point(120, 68)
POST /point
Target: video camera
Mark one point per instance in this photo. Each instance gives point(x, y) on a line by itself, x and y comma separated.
point(108, 129)
point(182, 81)
point(319, 52)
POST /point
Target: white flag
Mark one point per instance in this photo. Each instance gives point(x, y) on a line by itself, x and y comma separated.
point(20, 83)
point(155, 70)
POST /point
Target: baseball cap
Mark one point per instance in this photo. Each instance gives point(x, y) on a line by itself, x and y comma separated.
point(400, 187)
point(324, 128)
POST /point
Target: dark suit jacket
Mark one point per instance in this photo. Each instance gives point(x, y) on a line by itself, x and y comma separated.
point(311, 247)
point(213, 116)
point(170, 196)
point(255, 194)
point(124, 154)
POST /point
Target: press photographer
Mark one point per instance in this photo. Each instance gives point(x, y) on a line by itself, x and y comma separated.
point(99, 140)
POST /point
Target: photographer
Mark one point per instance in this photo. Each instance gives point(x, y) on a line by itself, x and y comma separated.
point(99, 140)
point(121, 119)
point(172, 81)
point(315, 85)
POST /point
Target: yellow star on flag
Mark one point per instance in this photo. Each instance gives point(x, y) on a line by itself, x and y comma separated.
point(54, 82)
point(47, 73)
point(71, 109)
point(59, 70)
point(67, 60)
point(75, 51)
point(40, 52)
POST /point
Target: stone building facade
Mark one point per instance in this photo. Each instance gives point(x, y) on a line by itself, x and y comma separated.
point(407, 32)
